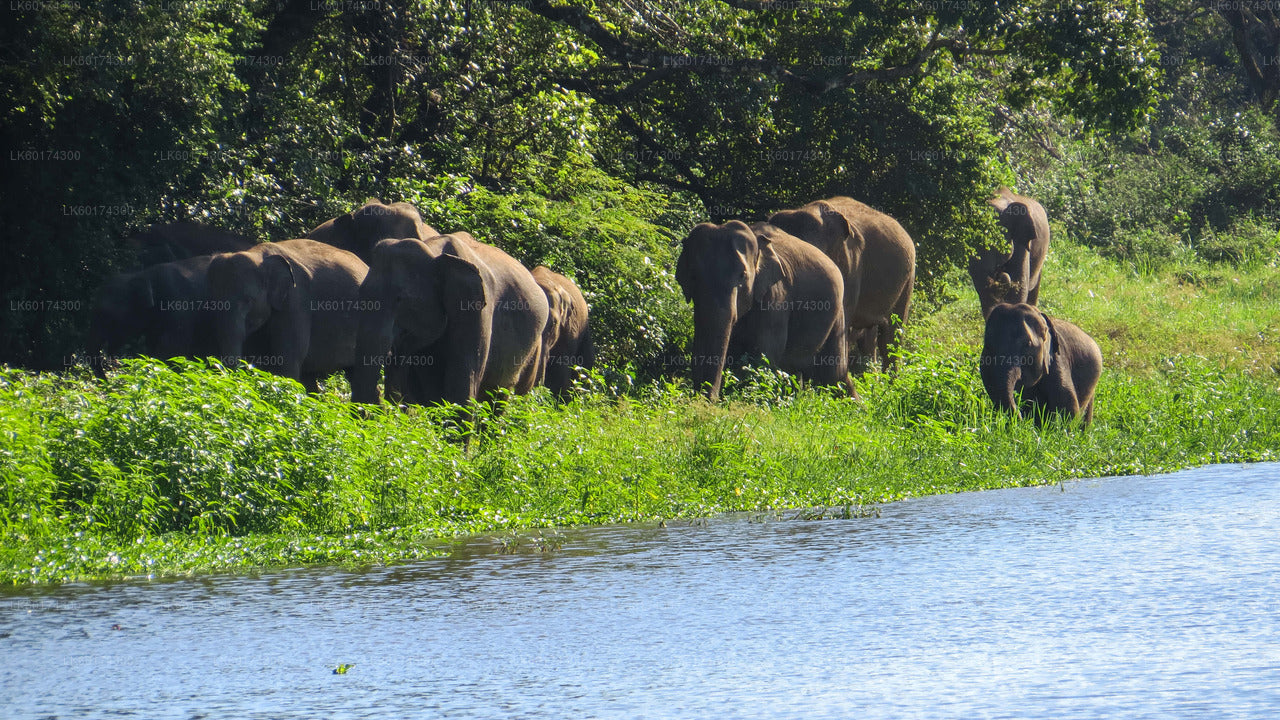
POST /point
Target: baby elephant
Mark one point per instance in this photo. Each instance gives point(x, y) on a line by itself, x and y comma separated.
point(1055, 364)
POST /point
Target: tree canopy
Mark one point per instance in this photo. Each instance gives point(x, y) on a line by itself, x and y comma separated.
point(587, 135)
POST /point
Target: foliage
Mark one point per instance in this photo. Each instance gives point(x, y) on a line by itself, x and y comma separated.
point(615, 128)
point(1201, 180)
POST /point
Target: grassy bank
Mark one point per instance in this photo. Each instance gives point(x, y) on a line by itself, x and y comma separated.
point(160, 472)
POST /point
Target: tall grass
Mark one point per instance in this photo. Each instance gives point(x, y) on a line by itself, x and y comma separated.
point(161, 471)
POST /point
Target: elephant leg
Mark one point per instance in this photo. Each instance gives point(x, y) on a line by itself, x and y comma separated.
point(424, 383)
point(311, 382)
point(832, 365)
point(771, 330)
point(290, 341)
point(529, 375)
point(1062, 397)
point(861, 348)
point(895, 330)
point(350, 373)
point(884, 334)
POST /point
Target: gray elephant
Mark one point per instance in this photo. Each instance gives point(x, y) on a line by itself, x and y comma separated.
point(1011, 273)
point(566, 340)
point(359, 230)
point(165, 306)
point(302, 296)
point(1054, 364)
point(465, 319)
point(178, 241)
point(876, 258)
point(762, 291)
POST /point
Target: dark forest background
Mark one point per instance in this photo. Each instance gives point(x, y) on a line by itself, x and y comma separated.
point(590, 136)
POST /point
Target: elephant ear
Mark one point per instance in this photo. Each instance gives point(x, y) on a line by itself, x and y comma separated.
point(279, 279)
point(460, 284)
point(770, 266)
point(1045, 359)
point(683, 277)
point(140, 292)
point(469, 328)
point(844, 243)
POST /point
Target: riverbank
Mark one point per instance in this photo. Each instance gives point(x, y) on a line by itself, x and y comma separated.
point(157, 472)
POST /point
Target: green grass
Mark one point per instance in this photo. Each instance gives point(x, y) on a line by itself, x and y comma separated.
point(158, 472)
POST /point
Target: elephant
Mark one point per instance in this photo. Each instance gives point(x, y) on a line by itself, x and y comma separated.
point(566, 340)
point(302, 296)
point(876, 259)
point(1012, 274)
point(764, 291)
point(166, 305)
point(181, 240)
point(465, 319)
point(1055, 364)
point(359, 230)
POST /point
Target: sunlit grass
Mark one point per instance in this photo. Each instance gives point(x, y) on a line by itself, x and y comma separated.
point(160, 472)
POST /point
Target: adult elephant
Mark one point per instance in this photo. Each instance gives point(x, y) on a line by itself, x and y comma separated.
point(181, 240)
point(359, 230)
point(1011, 274)
point(566, 339)
point(767, 292)
point(466, 320)
point(876, 259)
point(1054, 364)
point(166, 306)
point(301, 295)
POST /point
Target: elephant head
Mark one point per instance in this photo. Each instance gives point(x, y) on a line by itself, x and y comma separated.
point(123, 311)
point(424, 293)
point(245, 289)
point(359, 230)
point(723, 270)
point(822, 225)
point(1017, 351)
point(1010, 279)
point(162, 304)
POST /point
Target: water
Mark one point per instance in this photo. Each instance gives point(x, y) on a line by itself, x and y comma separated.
point(1124, 597)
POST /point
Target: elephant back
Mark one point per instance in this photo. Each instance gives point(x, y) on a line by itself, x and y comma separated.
point(316, 258)
point(181, 240)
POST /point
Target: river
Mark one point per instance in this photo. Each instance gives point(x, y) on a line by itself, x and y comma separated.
point(1121, 597)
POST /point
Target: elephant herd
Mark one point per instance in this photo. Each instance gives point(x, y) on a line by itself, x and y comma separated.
point(816, 287)
point(445, 317)
point(381, 296)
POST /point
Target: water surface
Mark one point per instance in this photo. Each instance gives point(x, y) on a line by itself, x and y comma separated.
point(1123, 597)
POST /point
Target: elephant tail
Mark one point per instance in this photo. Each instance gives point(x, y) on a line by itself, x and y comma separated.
point(587, 348)
point(902, 307)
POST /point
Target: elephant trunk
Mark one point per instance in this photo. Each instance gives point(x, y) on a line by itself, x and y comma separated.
point(1000, 376)
point(713, 325)
point(1019, 269)
point(1008, 398)
point(373, 347)
point(231, 333)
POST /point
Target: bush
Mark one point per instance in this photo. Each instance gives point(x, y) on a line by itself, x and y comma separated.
point(160, 451)
point(1201, 183)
